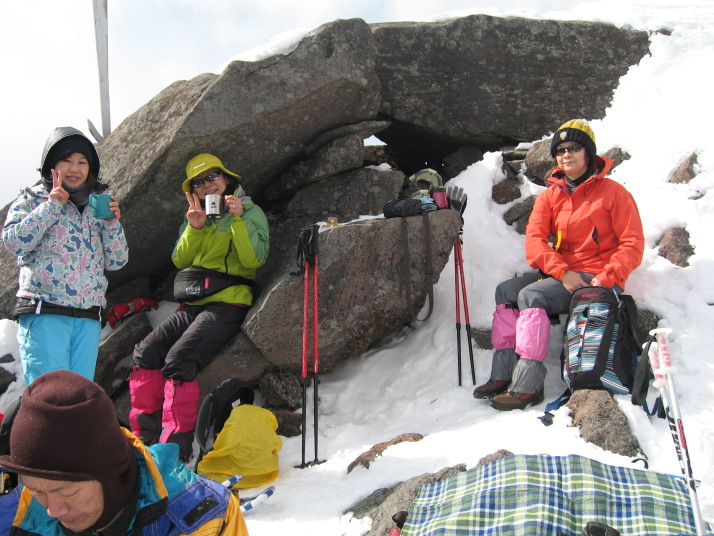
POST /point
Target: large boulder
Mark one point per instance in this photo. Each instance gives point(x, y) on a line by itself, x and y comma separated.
point(489, 81)
point(258, 117)
point(346, 196)
point(361, 298)
point(293, 126)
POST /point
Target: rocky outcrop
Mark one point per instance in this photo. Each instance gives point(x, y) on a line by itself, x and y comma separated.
point(366, 458)
point(676, 247)
point(686, 171)
point(293, 125)
point(259, 117)
point(489, 81)
point(601, 422)
point(361, 289)
point(383, 503)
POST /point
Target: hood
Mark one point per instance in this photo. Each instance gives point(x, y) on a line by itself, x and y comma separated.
point(57, 135)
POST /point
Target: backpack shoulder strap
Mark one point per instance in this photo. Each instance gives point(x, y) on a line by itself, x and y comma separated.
point(406, 262)
point(550, 407)
point(429, 267)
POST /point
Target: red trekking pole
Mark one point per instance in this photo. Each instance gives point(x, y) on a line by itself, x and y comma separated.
point(460, 282)
point(457, 201)
point(308, 251)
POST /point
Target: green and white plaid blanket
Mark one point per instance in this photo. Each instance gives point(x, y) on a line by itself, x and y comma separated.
point(543, 495)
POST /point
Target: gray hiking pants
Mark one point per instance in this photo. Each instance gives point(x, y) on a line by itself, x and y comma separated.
point(526, 292)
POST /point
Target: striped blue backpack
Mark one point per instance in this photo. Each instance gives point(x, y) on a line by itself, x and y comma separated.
point(603, 347)
point(602, 341)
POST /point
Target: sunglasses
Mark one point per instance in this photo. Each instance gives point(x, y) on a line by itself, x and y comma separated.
point(572, 149)
point(197, 183)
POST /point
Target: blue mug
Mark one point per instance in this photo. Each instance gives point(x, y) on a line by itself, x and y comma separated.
point(100, 206)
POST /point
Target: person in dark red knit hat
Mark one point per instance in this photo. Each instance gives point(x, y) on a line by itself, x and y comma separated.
point(82, 473)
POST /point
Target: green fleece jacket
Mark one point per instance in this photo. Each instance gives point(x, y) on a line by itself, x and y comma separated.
point(236, 245)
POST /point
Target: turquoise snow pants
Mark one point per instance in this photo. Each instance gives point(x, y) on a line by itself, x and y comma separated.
point(54, 342)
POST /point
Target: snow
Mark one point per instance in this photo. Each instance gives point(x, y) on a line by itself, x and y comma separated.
point(660, 113)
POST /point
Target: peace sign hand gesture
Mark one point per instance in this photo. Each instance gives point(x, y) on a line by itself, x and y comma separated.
point(196, 216)
point(58, 193)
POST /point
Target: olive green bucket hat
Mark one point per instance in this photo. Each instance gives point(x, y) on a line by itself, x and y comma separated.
point(199, 164)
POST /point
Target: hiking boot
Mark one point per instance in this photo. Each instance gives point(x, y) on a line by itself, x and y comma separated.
point(512, 400)
point(491, 388)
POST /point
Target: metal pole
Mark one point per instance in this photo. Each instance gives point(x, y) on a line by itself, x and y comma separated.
point(101, 34)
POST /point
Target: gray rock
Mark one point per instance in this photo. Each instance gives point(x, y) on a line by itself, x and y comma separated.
point(118, 345)
point(518, 214)
point(361, 296)
point(539, 163)
point(383, 503)
point(513, 168)
point(506, 191)
point(289, 423)
point(6, 378)
point(675, 246)
point(363, 130)
point(257, 117)
point(494, 456)
point(513, 154)
point(238, 359)
point(459, 160)
point(140, 287)
point(482, 338)
point(686, 171)
point(375, 155)
point(366, 458)
point(618, 155)
point(647, 320)
point(488, 81)
point(338, 156)
point(602, 423)
point(281, 390)
point(346, 196)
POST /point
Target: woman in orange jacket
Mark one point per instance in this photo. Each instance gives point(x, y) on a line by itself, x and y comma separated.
point(584, 229)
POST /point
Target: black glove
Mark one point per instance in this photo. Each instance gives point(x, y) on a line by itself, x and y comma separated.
point(457, 199)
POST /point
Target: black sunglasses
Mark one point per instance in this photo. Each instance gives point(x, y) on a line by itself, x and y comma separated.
point(572, 149)
point(197, 183)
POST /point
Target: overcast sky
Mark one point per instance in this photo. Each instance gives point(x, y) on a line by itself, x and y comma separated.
point(49, 67)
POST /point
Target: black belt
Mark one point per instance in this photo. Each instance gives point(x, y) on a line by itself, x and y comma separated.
point(27, 306)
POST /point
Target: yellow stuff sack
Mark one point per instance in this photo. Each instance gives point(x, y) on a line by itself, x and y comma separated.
point(247, 444)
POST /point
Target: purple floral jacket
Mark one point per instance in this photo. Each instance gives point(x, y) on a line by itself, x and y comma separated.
point(62, 252)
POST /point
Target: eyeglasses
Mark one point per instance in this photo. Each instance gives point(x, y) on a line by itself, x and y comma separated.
point(572, 149)
point(197, 183)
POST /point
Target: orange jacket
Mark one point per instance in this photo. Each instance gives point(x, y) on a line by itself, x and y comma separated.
point(597, 229)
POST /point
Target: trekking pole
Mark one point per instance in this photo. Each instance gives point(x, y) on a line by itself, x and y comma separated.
point(457, 201)
point(304, 254)
point(661, 361)
point(314, 254)
point(458, 310)
point(460, 255)
point(308, 250)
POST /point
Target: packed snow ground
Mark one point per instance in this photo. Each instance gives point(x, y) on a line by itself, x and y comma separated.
point(660, 113)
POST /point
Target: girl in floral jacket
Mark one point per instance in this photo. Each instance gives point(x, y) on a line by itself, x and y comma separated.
point(63, 250)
